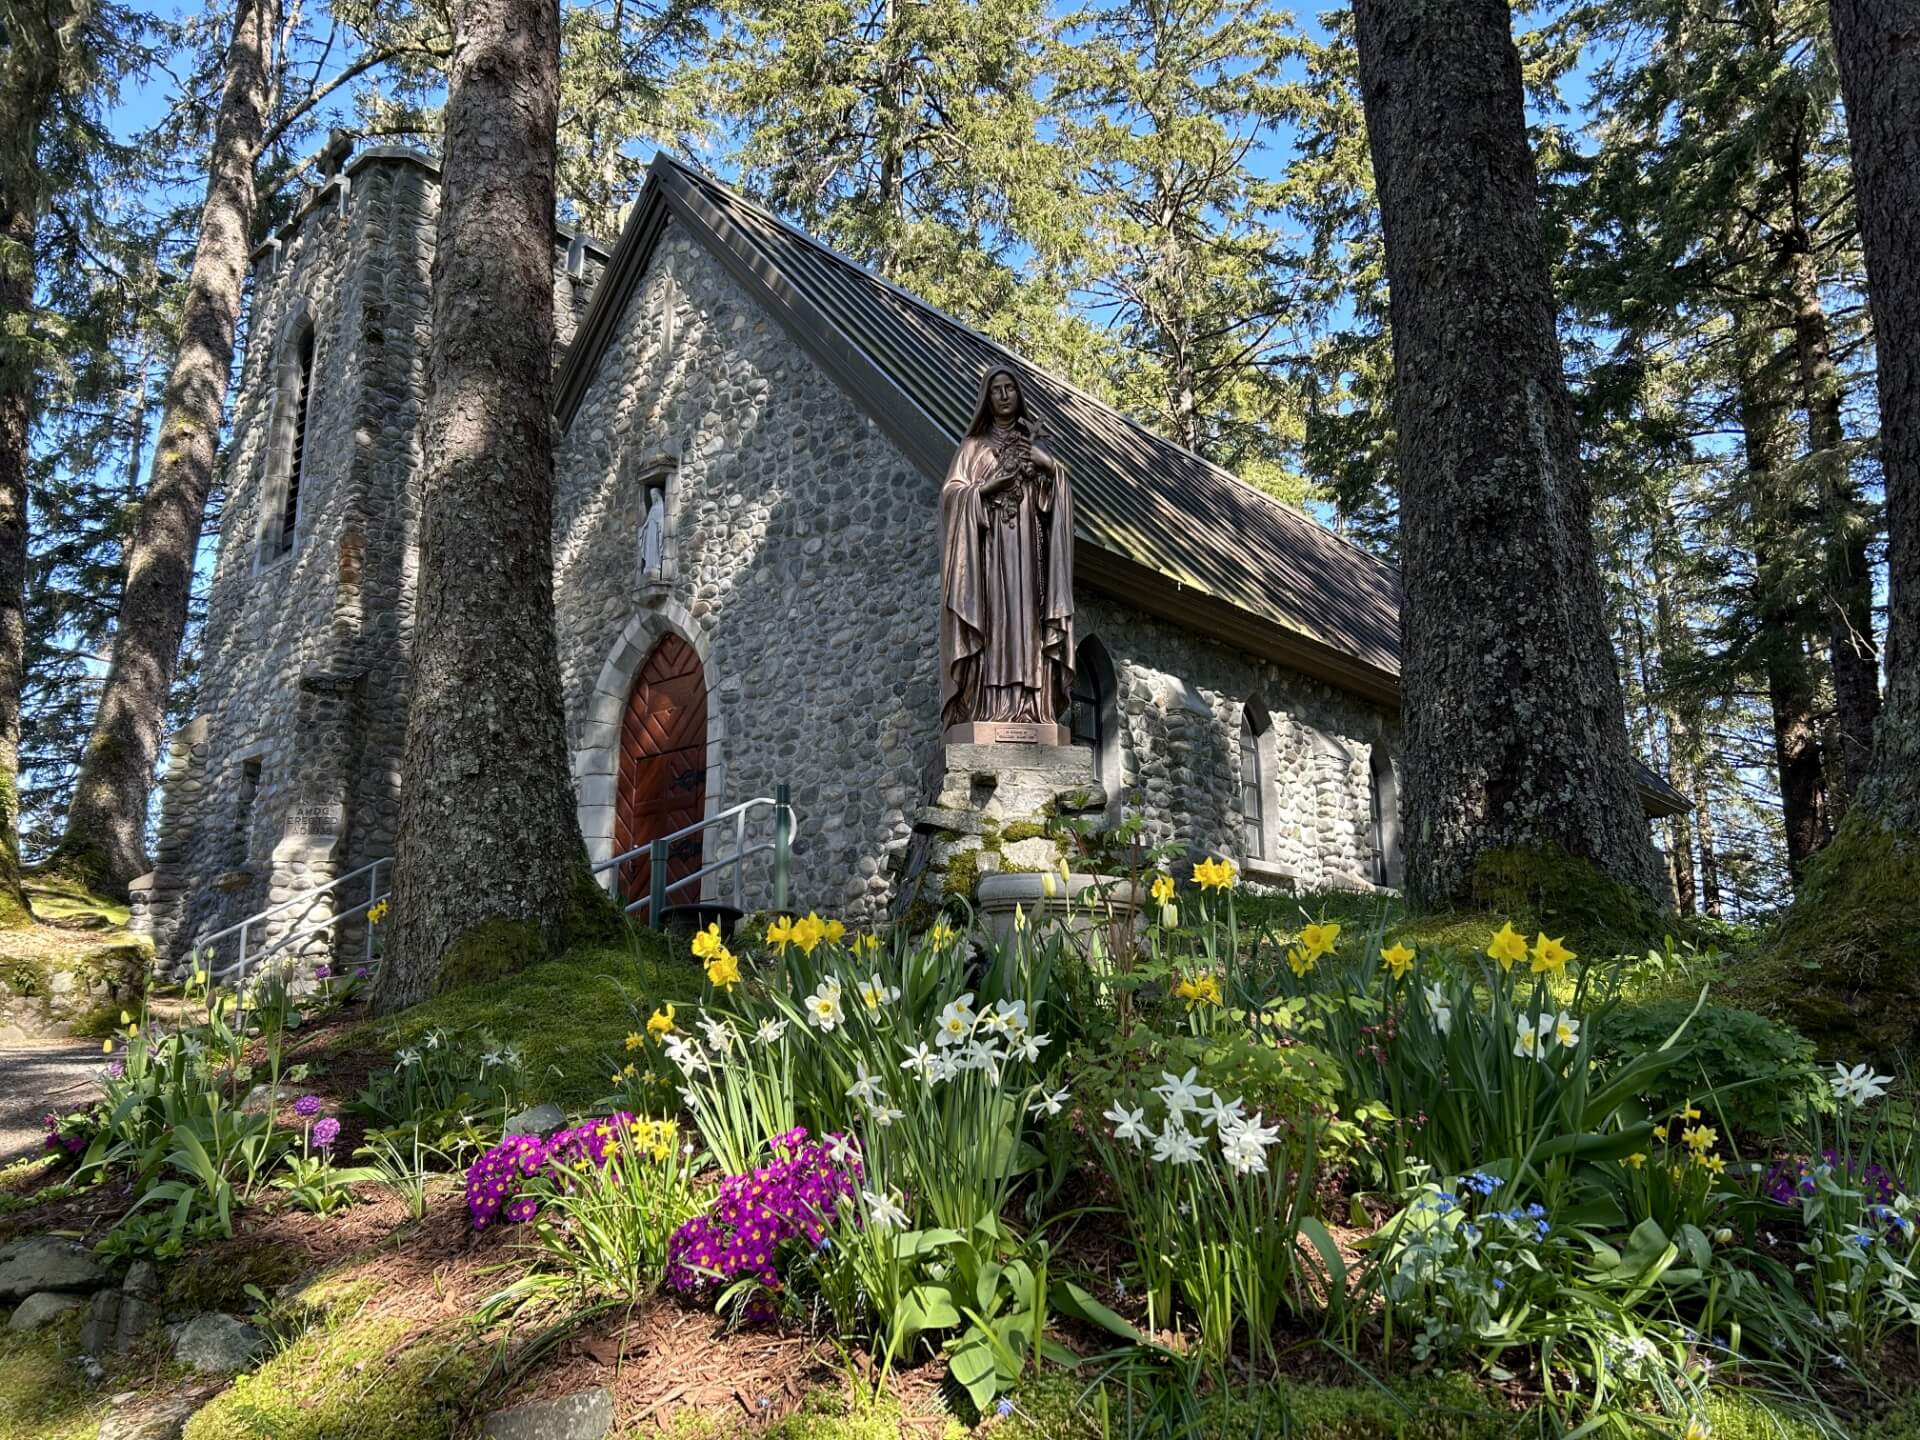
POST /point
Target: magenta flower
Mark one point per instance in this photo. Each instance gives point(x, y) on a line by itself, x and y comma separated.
point(307, 1106)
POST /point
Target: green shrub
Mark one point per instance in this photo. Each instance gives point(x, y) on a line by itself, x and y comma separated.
point(1756, 1073)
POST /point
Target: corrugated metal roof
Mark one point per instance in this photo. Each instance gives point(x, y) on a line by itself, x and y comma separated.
point(917, 370)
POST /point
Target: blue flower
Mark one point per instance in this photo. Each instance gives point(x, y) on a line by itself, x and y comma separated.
point(1540, 1228)
point(1472, 1232)
point(1499, 1284)
point(1004, 1408)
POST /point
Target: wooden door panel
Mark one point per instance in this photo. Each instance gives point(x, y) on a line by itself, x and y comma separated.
point(663, 763)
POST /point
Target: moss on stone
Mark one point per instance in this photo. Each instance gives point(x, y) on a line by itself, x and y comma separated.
point(81, 864)
point(1840, 966)
point(490, 951)
point(1023, 830)
point(1542, 888)
point(42, 1394)
point(963, 874)
point(217, 1278)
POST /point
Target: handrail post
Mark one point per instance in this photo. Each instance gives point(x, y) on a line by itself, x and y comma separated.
point(240, 984)
point(739, 859)
point(657, 852)
point(782, 842)
point(373, 895)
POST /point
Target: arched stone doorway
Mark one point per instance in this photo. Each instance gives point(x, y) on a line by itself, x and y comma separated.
point(663, 763)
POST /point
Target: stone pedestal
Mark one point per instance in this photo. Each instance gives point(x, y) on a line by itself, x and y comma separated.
point(990, 811)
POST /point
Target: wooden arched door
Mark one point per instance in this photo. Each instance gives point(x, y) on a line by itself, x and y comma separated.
point(663, 764)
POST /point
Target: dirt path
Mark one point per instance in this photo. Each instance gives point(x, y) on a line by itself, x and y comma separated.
point(54, 1075)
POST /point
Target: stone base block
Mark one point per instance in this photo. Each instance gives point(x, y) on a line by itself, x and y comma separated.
point(1007, 732)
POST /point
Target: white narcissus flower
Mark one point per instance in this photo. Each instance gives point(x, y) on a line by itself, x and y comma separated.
point(719, 1035)
point(956, 1021)
point(1566, 1030)
point(1010, 1017)
point(1438, 1008)
point(1244, 1145)
point(841, 1150)
point(686, 1054)
point(1530, 1043)
point(920, 1060)
point(1858, 1085)
point(882, 1212)
point(1175, 1144)
point(769, 1032)
point(823, 1006)
point(885, 1115)
point(1028, 1047)
point(1049, 1105)
point(1127, 1124)
point(1222, 1113)
point(1180, 1092)
point(866, 1089)
point(876, 992)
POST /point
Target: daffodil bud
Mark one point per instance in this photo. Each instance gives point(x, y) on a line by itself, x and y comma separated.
point(1170, 917)
point(1048, 887)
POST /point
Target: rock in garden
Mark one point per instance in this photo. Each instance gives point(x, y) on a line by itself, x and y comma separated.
point(216, 1344)
point(537, 1120)
point(161, 1420)
point(47, 1263)
point(585, 1416)
point(42, 1309)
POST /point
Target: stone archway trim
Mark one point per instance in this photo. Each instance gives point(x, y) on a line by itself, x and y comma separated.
point(596, 752)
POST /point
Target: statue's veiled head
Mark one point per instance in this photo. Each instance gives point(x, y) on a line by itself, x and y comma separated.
point(1001, 401)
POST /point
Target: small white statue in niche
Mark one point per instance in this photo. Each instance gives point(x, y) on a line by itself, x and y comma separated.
point(653, 535)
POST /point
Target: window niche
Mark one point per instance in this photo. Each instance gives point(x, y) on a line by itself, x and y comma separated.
point(1389, 866)
point(1094, 712)
point(1258, 765)
point(281, 499)
point(653, 478)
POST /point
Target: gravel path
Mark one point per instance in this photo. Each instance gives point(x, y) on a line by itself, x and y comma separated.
point(55, 1075)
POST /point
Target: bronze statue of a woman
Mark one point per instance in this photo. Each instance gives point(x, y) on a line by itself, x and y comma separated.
point(1006, 570)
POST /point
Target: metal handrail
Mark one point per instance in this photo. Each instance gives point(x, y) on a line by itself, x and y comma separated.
point(239, 967)
point(784, 824)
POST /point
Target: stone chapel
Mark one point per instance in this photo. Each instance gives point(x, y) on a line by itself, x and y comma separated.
point(750, 436)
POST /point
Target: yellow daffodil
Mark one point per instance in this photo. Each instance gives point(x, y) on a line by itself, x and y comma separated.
point(707, 943)
point(1550, 955)
point(1300, 961)
point(1508, 946)
point(941, 933)
point(723, 969)
point(808, 933)
point(661, 1021)
point(615, 1077)
point(1659, 1132)
point(1320, 939)
point(780, 933)
point(635, 1040)
point(1214, 874)
point(835, 932)
point(866, 944)
point(1700, 1138)
point(1637, 1160)
point(1690, 1113)
point(1198, 990)
point(1697, 1429)
point(1713, 1163)
point(1398, 959)
point(375, 914)
point(1162, 889)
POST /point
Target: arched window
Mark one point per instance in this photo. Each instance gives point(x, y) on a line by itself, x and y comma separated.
point(1388, 866)
point(1094, 720)
point(287, 441)
point(1256, 727)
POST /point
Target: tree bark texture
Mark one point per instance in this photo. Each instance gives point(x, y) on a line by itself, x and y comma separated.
point(488, 843)
point(1709, 851)
point(1846, 584)
point(1792, 691)
point(1515, 730)
point(33, 71)
point(106, 822)
point(1877, 43)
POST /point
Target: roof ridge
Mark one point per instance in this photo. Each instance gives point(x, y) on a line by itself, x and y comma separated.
point(700, 173)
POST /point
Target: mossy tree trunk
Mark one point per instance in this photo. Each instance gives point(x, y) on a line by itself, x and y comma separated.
point(1515, 729)
point(489, 853)
point(105, 836)
point(1877, 43)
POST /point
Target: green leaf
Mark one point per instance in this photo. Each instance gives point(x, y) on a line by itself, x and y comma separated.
point(1070, 1299)
point(924, 1307)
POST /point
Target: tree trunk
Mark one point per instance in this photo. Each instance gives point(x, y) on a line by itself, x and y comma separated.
point(1775, 507)
point(1514, 729)
point(1878, 46)
point(105, 834)
point(34, 67)
point(1709, 854)
point(1847, 580)
point(489, 850)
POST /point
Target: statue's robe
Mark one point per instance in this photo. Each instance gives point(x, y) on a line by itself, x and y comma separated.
point(1006, 582)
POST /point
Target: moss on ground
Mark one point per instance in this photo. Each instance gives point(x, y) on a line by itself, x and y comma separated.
point(568, 1015)
point(349, 1377)
point(42, 1394)
point(1840, 967)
